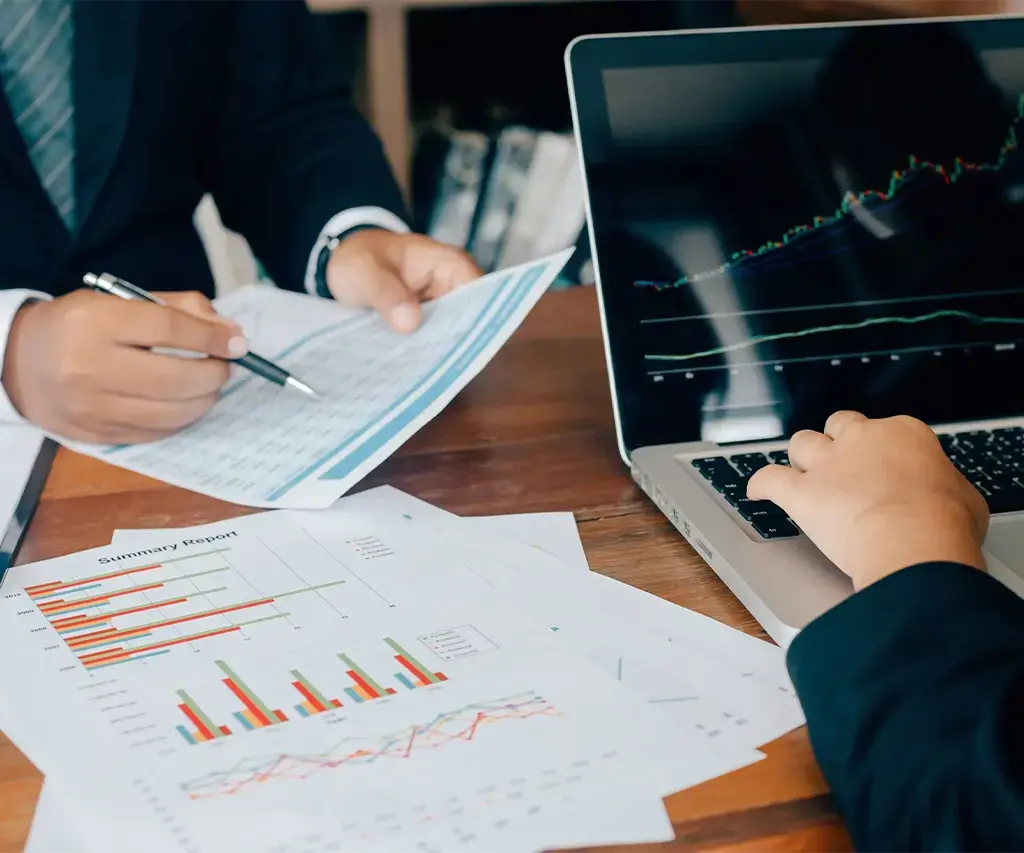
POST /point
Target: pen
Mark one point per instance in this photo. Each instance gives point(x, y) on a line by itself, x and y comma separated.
point(250, 361)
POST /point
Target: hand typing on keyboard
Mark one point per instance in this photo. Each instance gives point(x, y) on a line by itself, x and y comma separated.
point(876, 496)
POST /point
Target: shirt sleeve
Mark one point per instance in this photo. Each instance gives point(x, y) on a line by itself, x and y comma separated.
point(913, 690)
point(338, 224)
point(10, 303)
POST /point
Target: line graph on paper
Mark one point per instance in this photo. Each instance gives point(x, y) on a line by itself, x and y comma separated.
point(463, 725)
point(901, 183)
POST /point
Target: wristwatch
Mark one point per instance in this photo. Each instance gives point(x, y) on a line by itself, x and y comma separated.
point(320, 273)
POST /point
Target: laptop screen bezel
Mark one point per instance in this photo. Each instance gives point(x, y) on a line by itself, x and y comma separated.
point(588, 57)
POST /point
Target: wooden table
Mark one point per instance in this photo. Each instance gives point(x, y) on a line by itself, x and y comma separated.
point(532, 433)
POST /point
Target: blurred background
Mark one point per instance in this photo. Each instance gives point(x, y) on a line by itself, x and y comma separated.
point(469, 98)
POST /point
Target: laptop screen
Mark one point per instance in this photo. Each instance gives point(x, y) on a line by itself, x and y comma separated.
point(789, 222)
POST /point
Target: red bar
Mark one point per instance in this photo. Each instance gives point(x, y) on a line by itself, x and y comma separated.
point(336, 703)
point(424, 681)
point(95, 657)
point(85, 602)
point(441, 676)
point(94, 635)
point(53, 587)
point(309, 696)
point(373, 694)
point(389, 690)
point(84, 658)
point(41, 586)
point(224, 730)
point(85, 620)
point(280, 716)
point(52, 601)
point(152, 626)
point(256, 712)
point(196, 722)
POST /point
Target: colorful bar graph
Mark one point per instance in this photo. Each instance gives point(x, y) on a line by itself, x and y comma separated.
point(369, 688)
point(118, 654)
point(204, 727)
point(256, 713)
point(88, 640)
point(316, 702)
point(422, 674)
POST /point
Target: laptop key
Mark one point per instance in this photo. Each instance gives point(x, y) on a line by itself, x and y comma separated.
point(775, 528)
point(779, 457)
point(748, 463)
point(719, 472)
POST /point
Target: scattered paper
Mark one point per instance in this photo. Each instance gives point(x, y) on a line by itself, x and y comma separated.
point(262, 445)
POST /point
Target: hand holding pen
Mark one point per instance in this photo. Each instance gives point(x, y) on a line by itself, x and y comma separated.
point(107, 283)
point(90, 368)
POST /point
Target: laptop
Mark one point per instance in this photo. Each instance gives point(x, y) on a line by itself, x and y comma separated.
point(788, 221)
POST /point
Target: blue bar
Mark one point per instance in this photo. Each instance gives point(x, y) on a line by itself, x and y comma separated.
point(243, 720)
point(302, 710)
point(352, 694)
point(99, 626)
point(129, 660)
point(185, 734)
point(66, 591)
point(405, 681)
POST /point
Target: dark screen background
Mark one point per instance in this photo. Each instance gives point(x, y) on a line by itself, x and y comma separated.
point(840, 228)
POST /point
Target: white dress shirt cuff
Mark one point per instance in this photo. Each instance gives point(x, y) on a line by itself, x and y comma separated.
point(338, 224)
point(10, 303)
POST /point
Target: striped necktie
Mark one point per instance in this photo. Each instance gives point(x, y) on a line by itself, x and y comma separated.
point(35, 60)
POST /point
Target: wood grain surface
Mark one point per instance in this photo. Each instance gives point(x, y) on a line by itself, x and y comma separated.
point(533, 432)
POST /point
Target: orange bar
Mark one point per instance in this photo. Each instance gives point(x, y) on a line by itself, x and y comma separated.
point(85, 602)
point(96, 657)
point(143, 629)
point(224, 730)
point(39, 587)
point(280, 716)
point(187, 711)
point(85, 620)
point(254, 721)
point(336, 703)
point(310, 698)
point(85, 639)
point(53, 587)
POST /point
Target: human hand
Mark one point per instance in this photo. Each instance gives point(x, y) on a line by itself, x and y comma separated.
point(393, 273)
point(877, 496)
point(80, 366)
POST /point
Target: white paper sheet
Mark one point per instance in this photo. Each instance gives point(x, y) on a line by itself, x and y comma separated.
point(262, 445)
point(400, 585)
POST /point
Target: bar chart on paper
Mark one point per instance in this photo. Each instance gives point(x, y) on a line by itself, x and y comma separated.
point(154, 605)
point(229, 698)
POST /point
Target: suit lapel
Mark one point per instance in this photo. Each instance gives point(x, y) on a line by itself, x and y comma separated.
point(103, 78)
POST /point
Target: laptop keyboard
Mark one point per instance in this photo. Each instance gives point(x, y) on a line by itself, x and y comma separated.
point(992, 460)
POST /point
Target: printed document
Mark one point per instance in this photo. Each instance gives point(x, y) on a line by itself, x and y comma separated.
point(263, 445)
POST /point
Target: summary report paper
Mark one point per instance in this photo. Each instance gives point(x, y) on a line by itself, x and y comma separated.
point(261, 445)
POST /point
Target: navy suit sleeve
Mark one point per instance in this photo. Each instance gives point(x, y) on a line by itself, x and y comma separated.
point(291, 149)
point(914, 694)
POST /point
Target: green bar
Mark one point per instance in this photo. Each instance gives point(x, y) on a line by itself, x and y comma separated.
point(263, 619)
point(196, 575)
point(424, 669)
point(195, 709)
point(193, 556)
point(351, 664)
point(308, 589)
point(299, 677)
point(230, 673)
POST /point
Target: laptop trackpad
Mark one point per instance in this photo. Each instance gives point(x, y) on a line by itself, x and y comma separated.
point(1005, 542)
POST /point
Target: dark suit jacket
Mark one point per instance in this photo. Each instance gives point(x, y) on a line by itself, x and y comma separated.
point(914, 694)
point(174, 99)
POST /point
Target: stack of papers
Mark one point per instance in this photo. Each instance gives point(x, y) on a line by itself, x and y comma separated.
point(381, 675)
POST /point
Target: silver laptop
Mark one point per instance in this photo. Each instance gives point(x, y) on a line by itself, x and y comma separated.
point(789, 221)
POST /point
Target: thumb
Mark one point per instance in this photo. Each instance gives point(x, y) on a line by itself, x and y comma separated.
point(775, 483)
point(383, 290)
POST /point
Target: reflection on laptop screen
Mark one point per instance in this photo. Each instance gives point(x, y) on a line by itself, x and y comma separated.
point(793, 222)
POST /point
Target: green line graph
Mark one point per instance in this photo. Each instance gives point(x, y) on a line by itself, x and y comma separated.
point(976, 319)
